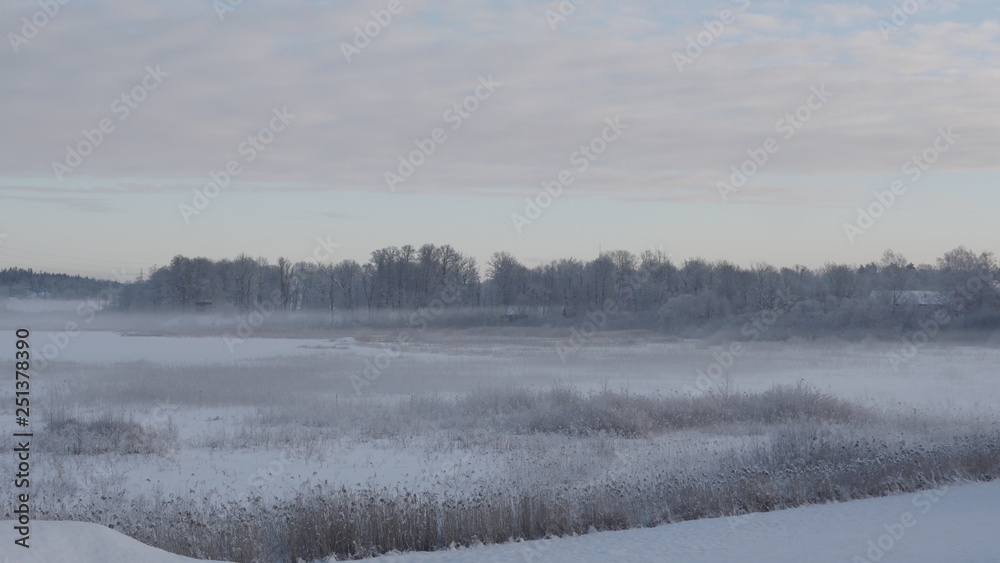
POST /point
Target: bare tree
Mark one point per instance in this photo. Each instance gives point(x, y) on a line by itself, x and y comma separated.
point(602, 280)
point(344, 279)
point(962, 259)
point(766, 285)
point(286, 275)
point(508, 275)
point(895, 272)
point(625, 264)
point(181, 281)
point(246, 281)
point(661, 279)
point(841, 279)
point(972, 276)
point(696, 275)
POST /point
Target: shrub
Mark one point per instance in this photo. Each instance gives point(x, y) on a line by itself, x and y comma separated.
point(104, 435)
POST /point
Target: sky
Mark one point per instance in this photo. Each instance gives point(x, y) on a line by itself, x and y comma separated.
point(780, 132)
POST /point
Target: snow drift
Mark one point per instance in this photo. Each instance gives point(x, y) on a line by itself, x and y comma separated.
point(79, 542)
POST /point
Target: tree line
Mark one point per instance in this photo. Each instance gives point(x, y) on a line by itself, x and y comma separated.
point(648, 290)
point(645, 285)
point(27, 283)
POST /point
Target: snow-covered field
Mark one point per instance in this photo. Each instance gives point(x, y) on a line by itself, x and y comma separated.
point(269, 417)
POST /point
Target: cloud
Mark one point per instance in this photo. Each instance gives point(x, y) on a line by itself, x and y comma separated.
point(844, 14)
point(79, 204)
point(355, 119)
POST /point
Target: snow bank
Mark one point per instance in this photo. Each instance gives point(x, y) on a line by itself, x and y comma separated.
point(957, 525)
point(79, 542)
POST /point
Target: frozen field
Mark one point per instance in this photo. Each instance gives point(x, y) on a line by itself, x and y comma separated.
point(940, 376)
point(269, 419)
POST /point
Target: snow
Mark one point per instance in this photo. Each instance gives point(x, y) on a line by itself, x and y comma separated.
point(953, 524)
point(38, 305)
point(950, 379)
point(79, 542)
point(941, 378)
point(103, 346)
point(957, 525)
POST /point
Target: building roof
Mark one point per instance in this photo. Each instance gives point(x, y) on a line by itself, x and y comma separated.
point(911, 297)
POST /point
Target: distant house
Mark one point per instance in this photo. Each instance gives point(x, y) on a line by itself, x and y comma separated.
point(918, 298)
point(202, 306)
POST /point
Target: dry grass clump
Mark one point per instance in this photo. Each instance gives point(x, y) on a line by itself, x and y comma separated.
point(106, 434)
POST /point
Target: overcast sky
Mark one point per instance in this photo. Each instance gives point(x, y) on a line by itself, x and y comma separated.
point(312, 105)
